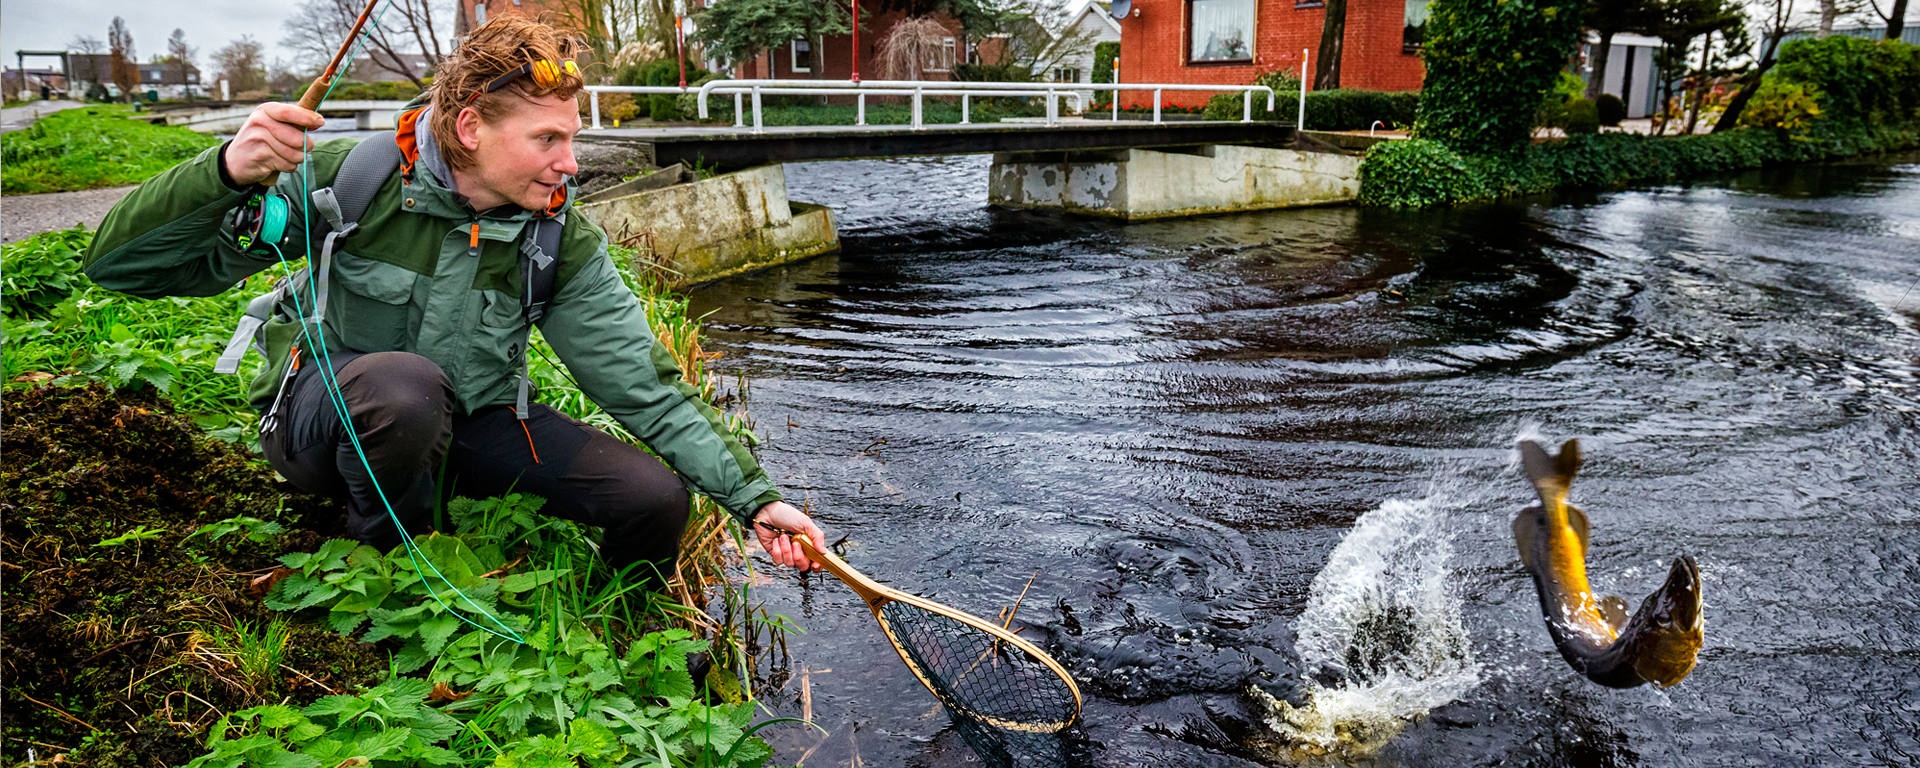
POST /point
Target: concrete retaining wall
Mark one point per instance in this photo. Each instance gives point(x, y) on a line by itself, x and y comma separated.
point(713, 228)
point(1149, 184)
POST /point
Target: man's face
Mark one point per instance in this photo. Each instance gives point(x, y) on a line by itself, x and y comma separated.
point(522, 157)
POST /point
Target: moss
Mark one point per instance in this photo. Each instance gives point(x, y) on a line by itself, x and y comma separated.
point(125, 638)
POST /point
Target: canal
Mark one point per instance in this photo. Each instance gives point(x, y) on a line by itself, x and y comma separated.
point(1274, 451)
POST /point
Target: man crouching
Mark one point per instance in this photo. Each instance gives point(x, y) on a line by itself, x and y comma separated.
point(416, 319)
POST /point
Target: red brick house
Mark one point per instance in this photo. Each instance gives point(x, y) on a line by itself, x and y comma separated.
point(1234, 41)
point(830, 57)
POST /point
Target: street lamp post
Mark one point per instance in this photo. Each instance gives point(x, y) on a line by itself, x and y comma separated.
point(680, 37)
point(856, 40)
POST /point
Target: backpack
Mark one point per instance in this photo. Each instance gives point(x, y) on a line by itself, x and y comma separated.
point(366, 169)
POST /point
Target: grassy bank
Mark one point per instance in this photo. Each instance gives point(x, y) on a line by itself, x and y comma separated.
point(166, 601)
point(1419, 173)
point(92, 147)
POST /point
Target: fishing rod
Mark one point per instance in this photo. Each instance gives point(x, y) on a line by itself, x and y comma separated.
point(317, 91)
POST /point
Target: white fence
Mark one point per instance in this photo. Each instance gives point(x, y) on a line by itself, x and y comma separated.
point(755, 90)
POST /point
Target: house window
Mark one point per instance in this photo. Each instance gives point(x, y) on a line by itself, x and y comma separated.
point(1066, 75)
point(802, 55)
point(1220, 30)
point(480, 14)
point(942, 60)
point(1416, 31)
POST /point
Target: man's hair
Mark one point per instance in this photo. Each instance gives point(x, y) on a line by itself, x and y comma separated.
point(502, 44)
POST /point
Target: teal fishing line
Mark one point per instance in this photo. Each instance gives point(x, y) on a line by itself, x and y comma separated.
point(338, 400)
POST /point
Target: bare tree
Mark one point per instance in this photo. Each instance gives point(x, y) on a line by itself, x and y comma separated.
point(1895, 18)
point(406, 27)
point(910, 46)
point(180, 60)
point(1775, 21)
point(240, 63)
point(87, 44)
point(121, 58)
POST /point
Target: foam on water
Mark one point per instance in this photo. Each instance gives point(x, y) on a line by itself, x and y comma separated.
point(1381, 640)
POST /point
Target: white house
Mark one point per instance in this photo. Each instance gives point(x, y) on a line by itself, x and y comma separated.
point(1094, 24)
point(1630, 72)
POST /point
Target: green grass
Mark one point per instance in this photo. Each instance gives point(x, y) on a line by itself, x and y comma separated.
point(604, 677)
point(92, 147)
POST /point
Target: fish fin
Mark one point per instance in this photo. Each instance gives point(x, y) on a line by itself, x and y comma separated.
point(1614, 609)
point(1578, 519)
point(1526, 531)
point(1551, 475)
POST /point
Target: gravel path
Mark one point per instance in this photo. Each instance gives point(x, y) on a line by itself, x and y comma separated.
point(16, 118)
point(23, 216)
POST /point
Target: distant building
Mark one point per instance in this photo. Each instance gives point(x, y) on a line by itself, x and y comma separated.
point(1630, 72)
point(1231, 42)
point(1909, 35)
point(1093, 25)
point(380, 68)
point(164, 78)
point(34, 83)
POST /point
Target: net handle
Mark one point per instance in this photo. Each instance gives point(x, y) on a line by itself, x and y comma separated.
point(876, 594)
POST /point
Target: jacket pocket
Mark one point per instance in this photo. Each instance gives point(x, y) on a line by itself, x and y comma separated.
point(368, 307)
point(499, 339)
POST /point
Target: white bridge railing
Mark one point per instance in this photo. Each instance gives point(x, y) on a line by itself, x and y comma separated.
point(743, 90)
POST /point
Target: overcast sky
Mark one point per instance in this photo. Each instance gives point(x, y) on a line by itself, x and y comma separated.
point(210, 24)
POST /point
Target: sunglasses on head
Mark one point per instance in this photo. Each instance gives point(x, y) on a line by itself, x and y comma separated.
point(546, 73)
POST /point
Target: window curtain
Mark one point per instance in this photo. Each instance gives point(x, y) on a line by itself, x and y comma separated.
point(1222, 30)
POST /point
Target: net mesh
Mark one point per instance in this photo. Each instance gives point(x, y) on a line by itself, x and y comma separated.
point(1006, 703)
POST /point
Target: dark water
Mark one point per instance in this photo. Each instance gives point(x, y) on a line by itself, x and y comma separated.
point(1212, 443)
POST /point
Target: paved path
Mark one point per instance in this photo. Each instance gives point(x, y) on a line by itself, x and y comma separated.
point(23, 216)
point(16, 118)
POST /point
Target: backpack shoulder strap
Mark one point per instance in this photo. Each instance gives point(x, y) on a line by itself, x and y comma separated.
point(539, 263)
point(361, 175)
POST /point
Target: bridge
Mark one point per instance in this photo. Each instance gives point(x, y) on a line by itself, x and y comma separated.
point(735, 148)
point(706, 227)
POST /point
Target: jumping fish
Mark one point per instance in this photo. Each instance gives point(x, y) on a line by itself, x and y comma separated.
point(1658, 644)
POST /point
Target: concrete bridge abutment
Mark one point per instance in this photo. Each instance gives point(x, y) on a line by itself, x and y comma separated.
point(706, 229)
point(1138, 184)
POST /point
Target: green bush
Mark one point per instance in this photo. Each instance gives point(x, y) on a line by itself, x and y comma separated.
point(1489, 62)
point(1859, 81)
point(1420, 173)
point(1103, 56)
point(666, 72)
point(394, 91)
point(1341, 109)
point(1582, 117)
point(992, 73)
point(1610, 109)
point(1413, 174)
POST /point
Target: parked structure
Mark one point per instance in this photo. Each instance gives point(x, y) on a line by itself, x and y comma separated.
point(1093, 25)
point(1234, 41)
point(164, 79)
point(1630, 73)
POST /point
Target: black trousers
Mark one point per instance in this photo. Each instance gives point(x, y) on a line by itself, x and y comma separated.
point(402, 408)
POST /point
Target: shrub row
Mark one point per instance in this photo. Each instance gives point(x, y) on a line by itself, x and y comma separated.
point(1340, 109)
point(1421, 172)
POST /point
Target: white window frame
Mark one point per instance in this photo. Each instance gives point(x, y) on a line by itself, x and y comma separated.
point(943, 61)
point(480, 14)
point(1217, 13)
point(793, 55)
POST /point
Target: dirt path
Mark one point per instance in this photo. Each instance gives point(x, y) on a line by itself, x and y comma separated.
point(23, 216)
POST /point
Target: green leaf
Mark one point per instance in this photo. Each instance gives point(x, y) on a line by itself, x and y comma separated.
point(377, 746)
point(592, 740)
point(120, 334)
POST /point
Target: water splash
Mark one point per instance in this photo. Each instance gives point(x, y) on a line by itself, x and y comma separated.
point(1381, 640)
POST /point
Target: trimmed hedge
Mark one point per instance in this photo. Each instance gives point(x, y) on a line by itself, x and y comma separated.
point(1341, 109)
point(1419, 172)
point(1103, 56)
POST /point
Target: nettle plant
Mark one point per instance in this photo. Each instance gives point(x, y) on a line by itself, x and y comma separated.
point(523, 664)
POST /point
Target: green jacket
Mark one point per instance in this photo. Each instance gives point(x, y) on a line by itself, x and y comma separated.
point(405, 282)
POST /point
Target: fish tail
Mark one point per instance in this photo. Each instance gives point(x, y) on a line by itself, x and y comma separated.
point(1551, 475)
